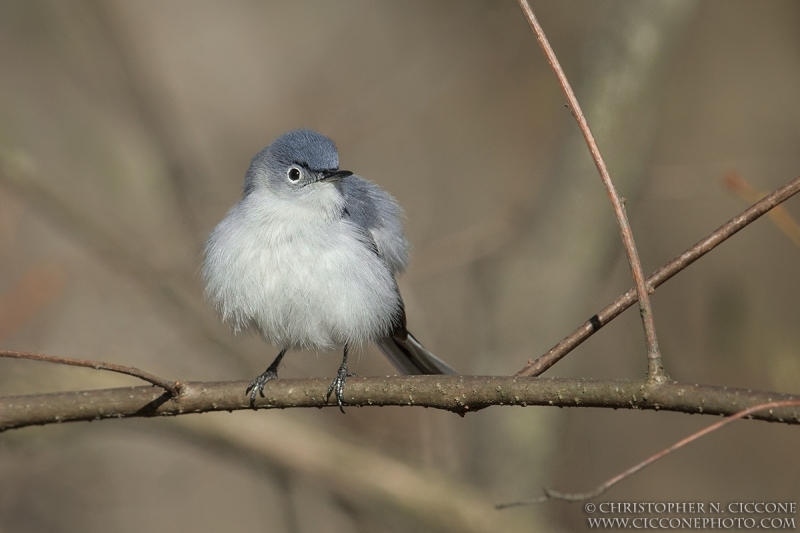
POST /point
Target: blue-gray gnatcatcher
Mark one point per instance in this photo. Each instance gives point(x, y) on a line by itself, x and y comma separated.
point(307, 259)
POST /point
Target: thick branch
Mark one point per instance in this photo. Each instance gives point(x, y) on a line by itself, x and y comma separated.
point(459, 394)
point(701, 248)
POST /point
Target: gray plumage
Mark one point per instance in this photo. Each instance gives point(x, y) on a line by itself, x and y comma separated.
point(307, 258)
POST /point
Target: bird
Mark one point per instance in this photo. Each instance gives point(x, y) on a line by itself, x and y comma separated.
point(308, 258)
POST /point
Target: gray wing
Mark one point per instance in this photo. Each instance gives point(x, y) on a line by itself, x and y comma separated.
point(374, 210)
point(377, 213)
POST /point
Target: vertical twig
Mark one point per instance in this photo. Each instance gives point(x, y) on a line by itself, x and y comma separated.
point(660, 276)
point(655, 368)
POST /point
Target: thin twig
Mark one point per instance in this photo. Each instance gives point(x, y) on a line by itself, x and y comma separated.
point(172, 387)
point(458, 394)
point(611, 311)
point(551, 494)
point(655, 368)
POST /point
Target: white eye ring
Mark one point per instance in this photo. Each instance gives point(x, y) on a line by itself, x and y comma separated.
point(293, 174)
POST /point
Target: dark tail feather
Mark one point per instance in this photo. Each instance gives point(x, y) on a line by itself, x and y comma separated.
point(409, 357)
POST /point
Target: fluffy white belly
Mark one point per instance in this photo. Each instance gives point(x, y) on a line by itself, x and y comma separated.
point(300, 282)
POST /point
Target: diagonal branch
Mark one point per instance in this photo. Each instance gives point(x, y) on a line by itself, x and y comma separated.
point(172, 387)
point(613, 310)
point(655, 369)
point(551, 494)
point(459, 394)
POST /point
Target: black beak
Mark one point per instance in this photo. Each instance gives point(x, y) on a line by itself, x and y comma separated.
point(334, 175)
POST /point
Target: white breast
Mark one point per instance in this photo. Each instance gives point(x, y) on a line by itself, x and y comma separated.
point(298, 273)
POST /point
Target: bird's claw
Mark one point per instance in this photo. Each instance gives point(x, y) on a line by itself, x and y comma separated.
point(257, 385)
point(337, 385)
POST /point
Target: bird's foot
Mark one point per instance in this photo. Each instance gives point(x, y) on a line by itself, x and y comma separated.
point(257, 385)
point(338, 385)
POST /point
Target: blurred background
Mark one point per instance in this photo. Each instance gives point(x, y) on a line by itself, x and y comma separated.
point(125, 132)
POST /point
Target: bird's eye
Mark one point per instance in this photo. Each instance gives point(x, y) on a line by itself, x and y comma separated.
point(294, 174)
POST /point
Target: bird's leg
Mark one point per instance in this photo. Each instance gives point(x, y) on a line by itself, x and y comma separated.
point(257, 385)
point(338, 382)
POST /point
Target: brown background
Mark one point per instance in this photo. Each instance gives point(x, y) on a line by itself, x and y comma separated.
point(126, 128)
